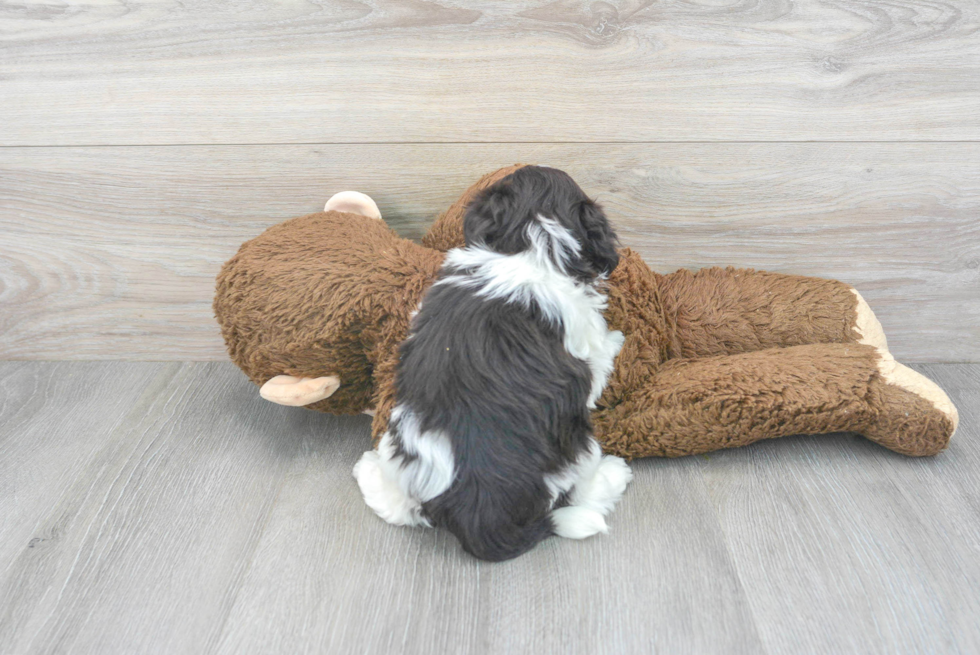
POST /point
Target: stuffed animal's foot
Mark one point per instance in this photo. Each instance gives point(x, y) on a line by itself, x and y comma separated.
point(908, 421)
point(918, 384)
point(867, 325)
point(298, 392)
point(918, 417)
point(353, 202)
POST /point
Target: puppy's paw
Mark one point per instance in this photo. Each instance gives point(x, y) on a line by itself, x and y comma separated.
point(615, 340)
point(576, 522)
point(603, 490)
point(616, 474)
point(382, 494)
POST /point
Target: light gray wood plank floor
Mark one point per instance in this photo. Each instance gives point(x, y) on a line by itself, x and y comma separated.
point(163, 507)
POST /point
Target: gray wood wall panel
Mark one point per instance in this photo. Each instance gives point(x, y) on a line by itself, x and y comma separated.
point(163, 507)
point(112, 252)
point(198, 518)
point(170, 72)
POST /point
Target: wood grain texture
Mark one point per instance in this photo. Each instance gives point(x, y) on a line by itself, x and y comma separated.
point(43, 409)
point(653, 584)
point(168, 72)
point(890, 543)
point(56, 427)
point(112, 252)
point(142, 547)
point(201, 519)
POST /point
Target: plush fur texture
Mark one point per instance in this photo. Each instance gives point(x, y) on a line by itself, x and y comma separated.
point(506, 355)
point(713, 359)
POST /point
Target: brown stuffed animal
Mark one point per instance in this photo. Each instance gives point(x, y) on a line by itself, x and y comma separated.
point(314, 310)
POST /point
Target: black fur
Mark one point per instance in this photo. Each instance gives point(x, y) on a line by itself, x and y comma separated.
point(498, 218)
point(495, 376)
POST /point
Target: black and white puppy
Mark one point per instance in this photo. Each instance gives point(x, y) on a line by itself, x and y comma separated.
point(491, 435)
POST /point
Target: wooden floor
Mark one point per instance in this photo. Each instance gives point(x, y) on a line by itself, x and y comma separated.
point(153, 504)
point(164, 508)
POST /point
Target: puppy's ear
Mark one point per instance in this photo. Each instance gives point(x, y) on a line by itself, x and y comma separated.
point(600, 243)
point(492, 220)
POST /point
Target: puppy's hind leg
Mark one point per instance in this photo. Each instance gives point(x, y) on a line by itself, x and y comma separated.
point(381, 490)
point(601, 482)
point(603, 490)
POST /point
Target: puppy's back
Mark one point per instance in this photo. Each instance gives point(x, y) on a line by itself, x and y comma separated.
point(496, 379)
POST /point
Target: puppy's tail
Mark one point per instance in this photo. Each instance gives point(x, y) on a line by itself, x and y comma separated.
point(506, 541)
point(491, 530)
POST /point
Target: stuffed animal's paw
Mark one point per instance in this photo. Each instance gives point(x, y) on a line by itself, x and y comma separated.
point(898, 375)
point(902, 376)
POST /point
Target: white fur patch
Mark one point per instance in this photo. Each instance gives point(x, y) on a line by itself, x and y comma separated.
point(395, 486)
point(382, 494)
point(575, 522)
point(431, 471)
point(532, 277)
point(605, 487)
point(584, 467)
point(595, 483)
point(565, 245)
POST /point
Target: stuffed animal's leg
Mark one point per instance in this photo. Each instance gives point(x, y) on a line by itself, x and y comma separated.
point(723, 311)
point(699, 405)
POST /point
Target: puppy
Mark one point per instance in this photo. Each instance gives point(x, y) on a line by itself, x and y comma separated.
point(491, 435)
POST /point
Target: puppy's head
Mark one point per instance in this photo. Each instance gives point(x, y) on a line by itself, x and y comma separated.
point(543, 209)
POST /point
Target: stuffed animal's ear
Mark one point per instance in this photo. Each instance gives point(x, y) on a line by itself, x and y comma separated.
point(298, 392)
point(492, 220)
point(353, 202)
point(599, 248)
